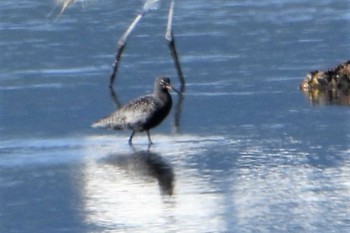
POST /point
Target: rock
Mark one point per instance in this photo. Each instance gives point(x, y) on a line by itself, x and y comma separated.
point(333, 79)
point(328, 87)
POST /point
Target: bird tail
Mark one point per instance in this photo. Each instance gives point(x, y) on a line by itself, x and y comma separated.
point(99, 124)
point(106, 122)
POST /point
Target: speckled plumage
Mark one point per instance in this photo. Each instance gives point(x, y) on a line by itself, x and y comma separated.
point(143, 113)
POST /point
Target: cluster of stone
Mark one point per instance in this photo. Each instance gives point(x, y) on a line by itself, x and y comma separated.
point(333, 79)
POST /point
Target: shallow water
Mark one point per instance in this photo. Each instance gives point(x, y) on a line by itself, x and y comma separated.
point(252, 154)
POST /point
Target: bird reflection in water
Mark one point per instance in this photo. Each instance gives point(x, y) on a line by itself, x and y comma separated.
point(145, 164)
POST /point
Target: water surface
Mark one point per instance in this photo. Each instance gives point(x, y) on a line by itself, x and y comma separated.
point(252, 153)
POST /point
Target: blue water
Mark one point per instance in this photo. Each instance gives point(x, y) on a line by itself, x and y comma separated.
point(252, 153)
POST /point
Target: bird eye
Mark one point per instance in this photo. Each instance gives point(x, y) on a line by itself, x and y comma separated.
point(164, 82)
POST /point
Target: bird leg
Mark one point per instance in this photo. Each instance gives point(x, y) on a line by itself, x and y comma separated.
point(149, 138)
point(131, 136)
point(171, 42)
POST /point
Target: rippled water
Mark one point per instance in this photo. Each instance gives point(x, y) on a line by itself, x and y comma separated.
point(252, 153)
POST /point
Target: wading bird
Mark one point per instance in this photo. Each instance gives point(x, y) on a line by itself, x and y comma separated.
point(142, 113)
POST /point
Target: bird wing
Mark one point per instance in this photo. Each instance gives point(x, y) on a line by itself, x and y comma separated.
point(137, 112)
point(130, 116)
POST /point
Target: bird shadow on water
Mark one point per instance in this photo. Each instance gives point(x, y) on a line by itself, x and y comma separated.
point(144, 164)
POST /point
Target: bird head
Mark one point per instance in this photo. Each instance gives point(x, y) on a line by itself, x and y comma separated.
point(164, 84)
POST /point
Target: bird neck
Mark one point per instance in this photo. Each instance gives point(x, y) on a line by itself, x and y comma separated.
point(162, 96)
